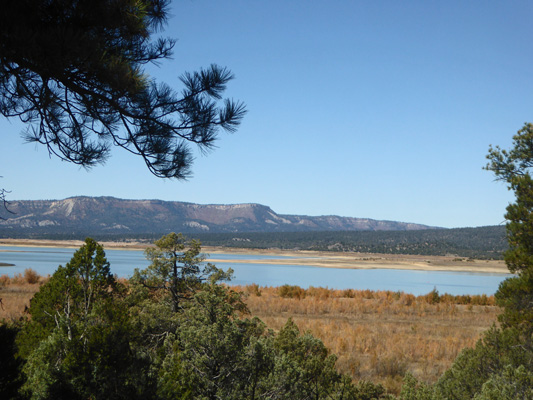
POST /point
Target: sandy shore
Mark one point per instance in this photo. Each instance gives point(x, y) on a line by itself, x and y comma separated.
point(310, 258)
point(365, 261)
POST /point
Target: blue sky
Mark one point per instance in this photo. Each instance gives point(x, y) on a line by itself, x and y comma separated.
point(372, 109)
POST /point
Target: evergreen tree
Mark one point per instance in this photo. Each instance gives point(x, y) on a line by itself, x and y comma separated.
point(70, 295)
point(213, 348)
point(514, 167)
point(177, 268)
point(77, 344)
point(516, 294)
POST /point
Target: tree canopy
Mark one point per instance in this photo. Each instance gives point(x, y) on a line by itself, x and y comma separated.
point(177, 268)
point(514, 167)
point(77, 344)
point(73, 71)
point(516, 294)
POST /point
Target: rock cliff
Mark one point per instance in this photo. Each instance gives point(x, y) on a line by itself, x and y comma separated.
point(100, 215)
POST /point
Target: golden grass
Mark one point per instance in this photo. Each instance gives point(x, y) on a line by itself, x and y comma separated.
point(16, 293)
point(379, 336)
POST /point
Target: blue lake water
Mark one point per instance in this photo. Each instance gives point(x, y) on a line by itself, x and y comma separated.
point(123, 262)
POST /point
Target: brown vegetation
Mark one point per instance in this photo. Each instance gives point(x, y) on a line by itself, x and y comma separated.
point(16, 292)
point(377, 336)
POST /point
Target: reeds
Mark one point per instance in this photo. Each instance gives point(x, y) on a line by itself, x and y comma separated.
point(16, 292)
point(380, 335)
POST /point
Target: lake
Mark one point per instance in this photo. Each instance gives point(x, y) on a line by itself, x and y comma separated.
point(123, 262)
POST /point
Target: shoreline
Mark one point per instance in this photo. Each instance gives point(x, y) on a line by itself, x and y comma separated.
point(306, 257)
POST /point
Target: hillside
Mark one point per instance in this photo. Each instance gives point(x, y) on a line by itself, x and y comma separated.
point(78, 216)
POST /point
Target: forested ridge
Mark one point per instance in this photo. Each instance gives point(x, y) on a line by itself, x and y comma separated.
point(483, 243)
point(487, 242)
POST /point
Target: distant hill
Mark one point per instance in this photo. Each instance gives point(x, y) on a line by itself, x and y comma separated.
point(78, 216)
point(240, 225)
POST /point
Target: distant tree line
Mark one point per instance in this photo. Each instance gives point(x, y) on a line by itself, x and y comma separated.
point(481, 243)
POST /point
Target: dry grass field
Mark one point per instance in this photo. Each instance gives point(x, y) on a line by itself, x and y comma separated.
point(16, 292)
point(380, 336)
point(377, 336)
